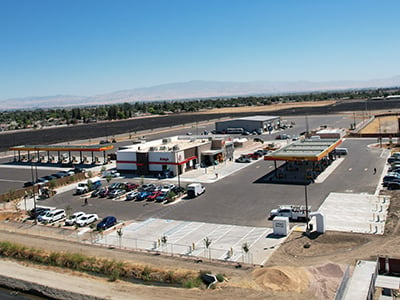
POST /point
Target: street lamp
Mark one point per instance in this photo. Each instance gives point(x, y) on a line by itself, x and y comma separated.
point(306, 200)
point(33, 190)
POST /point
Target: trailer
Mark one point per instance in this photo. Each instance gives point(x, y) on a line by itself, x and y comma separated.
point(293, 212)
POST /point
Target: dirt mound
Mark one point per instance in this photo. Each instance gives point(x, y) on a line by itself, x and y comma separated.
point(282, 278)
point(325, 279)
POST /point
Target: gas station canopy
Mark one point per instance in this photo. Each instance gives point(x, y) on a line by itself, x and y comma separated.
point(305, 150)
point(92, 148)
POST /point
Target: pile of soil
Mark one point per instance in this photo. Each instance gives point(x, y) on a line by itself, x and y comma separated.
point(282, 278)
point(325, 279)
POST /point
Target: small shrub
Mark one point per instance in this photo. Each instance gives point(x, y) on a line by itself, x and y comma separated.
point(192, 283)
point(114, 275)
point(220, 277)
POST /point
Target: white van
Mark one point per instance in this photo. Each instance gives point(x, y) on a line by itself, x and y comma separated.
point(195, 189)
point(53, 215)
point(340, 151)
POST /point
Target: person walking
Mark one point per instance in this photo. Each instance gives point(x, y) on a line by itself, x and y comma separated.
point(86, 201)
point(374, 171)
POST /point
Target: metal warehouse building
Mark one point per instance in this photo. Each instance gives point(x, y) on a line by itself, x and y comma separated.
point(248, 123)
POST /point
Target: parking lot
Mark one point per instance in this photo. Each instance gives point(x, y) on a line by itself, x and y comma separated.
point(237, 196)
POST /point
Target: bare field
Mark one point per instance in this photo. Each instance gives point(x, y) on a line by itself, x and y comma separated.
point(387, 124)
point(263, 108)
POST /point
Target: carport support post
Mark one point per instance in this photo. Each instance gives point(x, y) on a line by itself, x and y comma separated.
point(306, 199)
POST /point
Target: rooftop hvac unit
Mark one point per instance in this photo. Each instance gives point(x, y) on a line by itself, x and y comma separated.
point(166, 141)
point(163, 147)
point(153, 149)
point(175, 147)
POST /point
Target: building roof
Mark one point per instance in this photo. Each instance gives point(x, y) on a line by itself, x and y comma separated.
point(259, 118)
point(176, 143)
point(305, 149)
point(95, 148)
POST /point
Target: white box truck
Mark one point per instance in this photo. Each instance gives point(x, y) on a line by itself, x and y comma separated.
point(195, 189)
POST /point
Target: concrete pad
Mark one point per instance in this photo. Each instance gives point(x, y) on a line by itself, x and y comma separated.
point(185, 238)
point(361, 213)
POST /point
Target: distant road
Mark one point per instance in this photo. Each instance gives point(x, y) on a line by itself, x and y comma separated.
point(109, 129)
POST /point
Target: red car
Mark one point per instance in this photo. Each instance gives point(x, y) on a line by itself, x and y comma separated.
point(130, 186)
point(153, 196)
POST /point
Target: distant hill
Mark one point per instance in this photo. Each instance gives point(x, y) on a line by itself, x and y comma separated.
point(194, 90)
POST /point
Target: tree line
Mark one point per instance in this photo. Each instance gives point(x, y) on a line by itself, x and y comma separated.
point(22, 119)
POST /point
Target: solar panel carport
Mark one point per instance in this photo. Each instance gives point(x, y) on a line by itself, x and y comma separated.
point(36, 149)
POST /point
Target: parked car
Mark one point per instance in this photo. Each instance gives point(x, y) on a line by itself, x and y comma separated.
point(77, 170)
point(36, 212)
point(242, 160)
point(178, 190)
point(143, 195)
point(394, 185)
point(73, 218)
point(132, 195)
point(41, 180)
point(116, 193)
point(148, 187)
point(117, 186)
point(112, 173)
point(106, 223)
point(255, 155)
point(167, 187)
point(50, 177)
point(282, 136)
point(95, 193)
point(103, 192)
point(162, 196)
point(53, 216)
point(129, 186)
point(391, 177)
point(393, 158)
point(153, 195)
point(28, 183)
point(86, 219)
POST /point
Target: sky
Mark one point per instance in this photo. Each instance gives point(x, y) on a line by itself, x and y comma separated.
point(91, 47)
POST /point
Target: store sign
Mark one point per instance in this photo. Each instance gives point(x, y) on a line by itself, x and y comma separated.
point(164, 158)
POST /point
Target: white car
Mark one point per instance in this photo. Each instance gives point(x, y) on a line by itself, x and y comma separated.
point(86, 219)
point(73, 218)
point(53, 215)
point(112, 173)
point(132, 195)
point(166, 188)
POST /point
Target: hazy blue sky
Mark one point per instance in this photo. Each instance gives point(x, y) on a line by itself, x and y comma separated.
point(90, 47)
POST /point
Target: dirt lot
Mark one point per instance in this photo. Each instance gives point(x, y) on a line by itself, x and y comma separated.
point(388, 124)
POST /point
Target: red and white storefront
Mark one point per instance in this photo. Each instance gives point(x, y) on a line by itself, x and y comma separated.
point(168, 157)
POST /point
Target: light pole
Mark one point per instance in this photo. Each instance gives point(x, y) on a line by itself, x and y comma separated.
point(33, 190)
point(306, 200)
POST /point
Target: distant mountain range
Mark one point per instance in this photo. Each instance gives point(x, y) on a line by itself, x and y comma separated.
point(194, 90)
